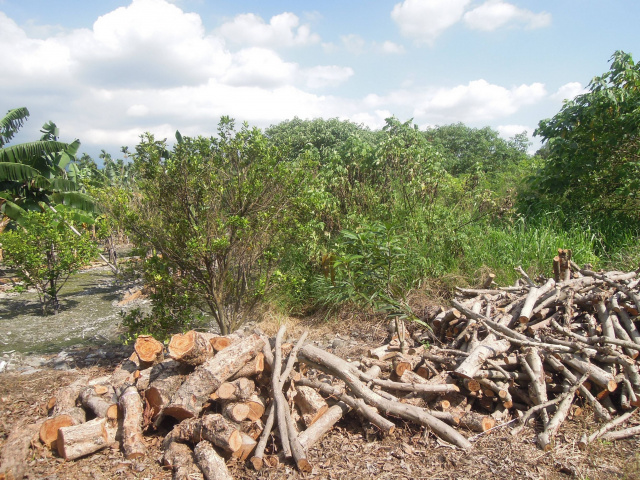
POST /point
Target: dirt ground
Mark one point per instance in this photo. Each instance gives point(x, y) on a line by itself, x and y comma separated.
point(350, 451)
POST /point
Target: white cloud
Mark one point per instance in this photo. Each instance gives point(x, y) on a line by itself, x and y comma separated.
point(569, 91)
point(137, 110)
point(283, 30)
point(353, 43)
point(494, 14)
point(509, 131)
point(392, 48)
point(327, 75)
point(425, 20)
point(259, 67)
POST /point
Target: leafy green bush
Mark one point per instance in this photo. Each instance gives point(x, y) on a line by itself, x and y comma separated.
point(45, 252)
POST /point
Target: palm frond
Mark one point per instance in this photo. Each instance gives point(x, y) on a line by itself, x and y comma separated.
point(11, 123)
point(24, 152)
point(16, 172)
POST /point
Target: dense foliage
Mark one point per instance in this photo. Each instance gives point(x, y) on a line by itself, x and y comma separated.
point(592, 167)
point(316, 214)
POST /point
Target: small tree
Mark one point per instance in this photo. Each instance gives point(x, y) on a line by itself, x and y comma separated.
point(45, 252)
point(213, 209)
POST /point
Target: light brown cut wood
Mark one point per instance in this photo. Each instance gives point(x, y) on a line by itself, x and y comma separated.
point(256, 407)
point(49, 428)
point(210, 462)
point(164, 380)
point(193, 348)
point(213, 428)
point(149, 350)
point(322, 425)
point(384, 352)
point(341, 369)
point(131, 406)
point(180, 458)
point(207, 378)
point(253, 367)
point(403, 362)
point(237, 390)
point(220, 343)
point(79, 440)
point(477, 422)
point(247, 448)
point(310, 403)
point(102, 405)
point(236, 412)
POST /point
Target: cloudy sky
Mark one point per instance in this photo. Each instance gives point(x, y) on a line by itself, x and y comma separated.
point(106, 71)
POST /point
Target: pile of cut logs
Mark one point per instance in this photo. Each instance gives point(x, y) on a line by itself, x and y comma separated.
point(499, 356)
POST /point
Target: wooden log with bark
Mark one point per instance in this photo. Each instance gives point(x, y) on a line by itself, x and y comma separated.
point(149, 350)
point(194, 392)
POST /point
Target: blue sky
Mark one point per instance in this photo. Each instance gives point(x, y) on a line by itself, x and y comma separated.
point(108, 71)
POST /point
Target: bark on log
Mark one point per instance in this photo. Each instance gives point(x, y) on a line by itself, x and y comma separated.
point(212, 465)
point(236, 391)
point(247, 448)
point(102, 405)
point(311, 404)
point(488, 348)
point(322, 425)
point(49, 428)
point(132, 439)
point(357, 404)
point(220, 343)
point(477, 422)
point(341, 369)
point(207, 378)
point(213, 428)
point(192, 348)
point(15, 450)
point(403, 362)
point(79, 440)
point(149, 350)
point(236, 412)
point(253, 367)
point(256, 407)
point(180, 458)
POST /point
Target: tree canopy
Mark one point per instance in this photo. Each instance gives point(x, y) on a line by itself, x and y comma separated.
point(593, 146)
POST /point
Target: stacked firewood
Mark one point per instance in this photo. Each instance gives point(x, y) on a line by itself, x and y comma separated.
point(540, 350)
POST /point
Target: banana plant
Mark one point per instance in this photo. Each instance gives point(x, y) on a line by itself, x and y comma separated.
point(36, 173)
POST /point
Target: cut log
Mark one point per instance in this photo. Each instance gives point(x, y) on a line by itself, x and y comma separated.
point(66, 398)
point(247, 448)
point(79, 440)
point(149, 350)
point(338, 367)
point(253, 367)
point(193, 348)
point(213, 428)
point(236, 412)
point(164, 380)
point(238, 390)
point(384, 352)
point(49, 428)
point(488, 348)
point(477, 422)
point(180, 458)
point(256, 407)
point(253, 428)
point(194, 392)
point(211, 464)
point(322, 425)
point(311, 404)
point(132, 439)
point(102, 405)
point(403, 362)
point(15, 450)
point(220, 343)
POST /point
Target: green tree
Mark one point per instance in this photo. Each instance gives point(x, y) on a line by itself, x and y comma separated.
point(477, 150)
point(593, 147)
point(36, 173)
point(214, 209)
point(45, 252)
